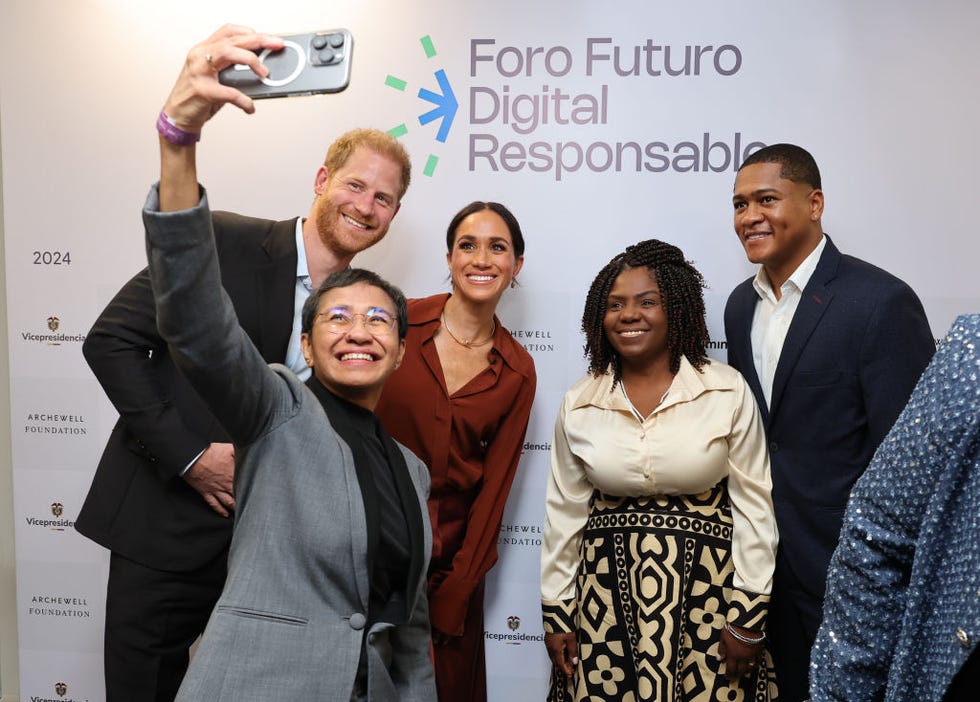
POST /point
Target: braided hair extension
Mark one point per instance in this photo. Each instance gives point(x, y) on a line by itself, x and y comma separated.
point(681, 294)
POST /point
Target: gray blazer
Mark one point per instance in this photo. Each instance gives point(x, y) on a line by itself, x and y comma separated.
point(290, 622)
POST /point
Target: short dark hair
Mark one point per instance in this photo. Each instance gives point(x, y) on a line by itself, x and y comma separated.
point(796, 163)
point(513, 226)
point(681, 294)
point(346, 278)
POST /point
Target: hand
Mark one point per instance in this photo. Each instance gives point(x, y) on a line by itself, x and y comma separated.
point(740, 658)
point(212, 475)
point(441, 638)
point(197, 95)
point(563, 651)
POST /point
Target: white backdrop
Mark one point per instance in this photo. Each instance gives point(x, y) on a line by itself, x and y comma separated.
point(885, 96)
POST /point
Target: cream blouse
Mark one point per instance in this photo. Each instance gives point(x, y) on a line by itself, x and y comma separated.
point(707, 428)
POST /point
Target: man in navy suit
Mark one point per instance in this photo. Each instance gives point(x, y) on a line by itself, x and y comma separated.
point(832, 347)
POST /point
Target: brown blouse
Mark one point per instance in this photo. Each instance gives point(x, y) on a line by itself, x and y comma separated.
point(471, 442)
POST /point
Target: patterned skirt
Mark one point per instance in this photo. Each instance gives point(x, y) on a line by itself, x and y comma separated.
point(653, 588)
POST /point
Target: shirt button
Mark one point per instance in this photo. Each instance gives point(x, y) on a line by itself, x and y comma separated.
point(963, 638)
point(357, 621)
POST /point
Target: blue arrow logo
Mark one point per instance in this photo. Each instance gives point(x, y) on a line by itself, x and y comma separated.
point(445, 106)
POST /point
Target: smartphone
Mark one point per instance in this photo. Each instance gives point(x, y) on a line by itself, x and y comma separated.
point(318, 62)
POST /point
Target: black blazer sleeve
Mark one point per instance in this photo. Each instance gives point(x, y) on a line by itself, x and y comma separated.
point(137, 505)
point(166, 423)
point(129, 359)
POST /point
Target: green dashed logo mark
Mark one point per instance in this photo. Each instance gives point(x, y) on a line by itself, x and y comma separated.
point(444, 104)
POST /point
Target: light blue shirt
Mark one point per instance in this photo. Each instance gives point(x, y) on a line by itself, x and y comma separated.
point(304, 286)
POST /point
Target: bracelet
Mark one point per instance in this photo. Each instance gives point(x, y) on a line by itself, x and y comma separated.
point(174, 134)
point(744, 639)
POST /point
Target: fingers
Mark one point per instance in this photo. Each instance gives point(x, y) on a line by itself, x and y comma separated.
point(739, 659)
point(215, 505)
point(563, 651)
point(440, 638)
point(571, 657)
point(197, 94)
point(557, 659)
point(220, 502)
point(229, 30)
point(238, 50)
point(228, 500)
point(225, 94)
point(212, 475)
point(553, 644)
point(737, 666)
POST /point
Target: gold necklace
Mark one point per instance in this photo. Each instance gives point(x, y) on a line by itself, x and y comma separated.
point(468, 343)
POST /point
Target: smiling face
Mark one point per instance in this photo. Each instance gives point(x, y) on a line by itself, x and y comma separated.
point(356, 203)
point(354, 364)
point(635, 322)
point(482, 262)
point(777, 220)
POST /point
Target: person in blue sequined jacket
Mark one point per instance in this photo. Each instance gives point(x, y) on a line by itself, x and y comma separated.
point(902, 613)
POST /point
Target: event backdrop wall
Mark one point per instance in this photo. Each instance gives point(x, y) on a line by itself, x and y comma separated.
point(8, 608)
point(599, 124)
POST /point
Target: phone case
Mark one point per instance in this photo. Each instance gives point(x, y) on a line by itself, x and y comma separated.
point(318, 62)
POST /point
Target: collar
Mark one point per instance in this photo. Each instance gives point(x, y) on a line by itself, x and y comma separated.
point(302, 266)
point(686, 386)
point(337, 407)
point(800, 277)
point(425, 312)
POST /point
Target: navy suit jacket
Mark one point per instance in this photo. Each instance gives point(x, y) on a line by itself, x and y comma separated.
point(856, 346)
point(138, 505)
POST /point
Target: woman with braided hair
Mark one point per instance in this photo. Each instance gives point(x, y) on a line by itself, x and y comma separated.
point(659, 539)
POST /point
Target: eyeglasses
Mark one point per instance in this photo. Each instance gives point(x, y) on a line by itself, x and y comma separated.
point(340, 320)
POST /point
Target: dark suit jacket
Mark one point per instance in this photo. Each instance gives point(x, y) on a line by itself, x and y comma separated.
point(138, 505)
point(856, 346)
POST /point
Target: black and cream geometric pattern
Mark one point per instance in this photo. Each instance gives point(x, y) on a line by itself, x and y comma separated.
point(654, 590)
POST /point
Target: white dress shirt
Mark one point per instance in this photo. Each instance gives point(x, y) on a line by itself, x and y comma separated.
point(773, 317)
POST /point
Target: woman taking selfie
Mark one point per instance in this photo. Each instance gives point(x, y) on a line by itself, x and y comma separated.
point(324, 597)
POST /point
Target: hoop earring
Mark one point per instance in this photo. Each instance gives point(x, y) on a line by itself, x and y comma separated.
point(513, 282)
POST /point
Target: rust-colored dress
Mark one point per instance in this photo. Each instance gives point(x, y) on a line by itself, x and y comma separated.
point(471, 441)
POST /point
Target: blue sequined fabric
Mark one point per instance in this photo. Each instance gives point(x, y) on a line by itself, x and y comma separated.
point(902, 611)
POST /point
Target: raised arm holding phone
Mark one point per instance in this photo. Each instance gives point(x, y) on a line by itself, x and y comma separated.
point(169, 541)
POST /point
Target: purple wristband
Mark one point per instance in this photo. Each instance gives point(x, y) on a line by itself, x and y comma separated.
point(174, 134)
